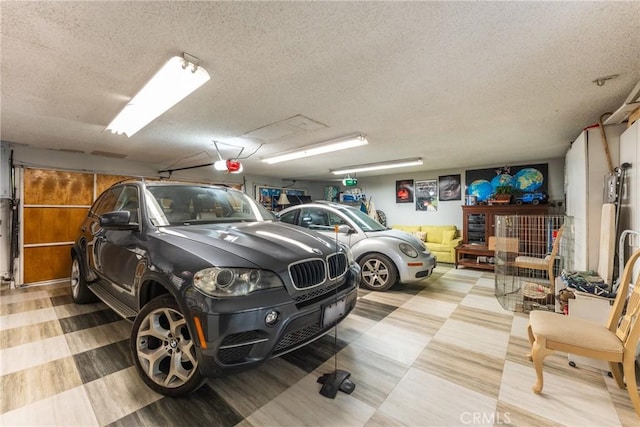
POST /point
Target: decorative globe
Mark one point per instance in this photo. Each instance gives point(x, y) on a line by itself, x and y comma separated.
point(528, 179)
point(502, 180)
point(481, 188)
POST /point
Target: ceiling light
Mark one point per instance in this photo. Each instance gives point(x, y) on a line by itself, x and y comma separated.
point(173, 82)
point(320, 148)
point(378, 166)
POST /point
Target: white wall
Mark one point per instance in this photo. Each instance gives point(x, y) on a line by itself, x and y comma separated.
point(381, 190)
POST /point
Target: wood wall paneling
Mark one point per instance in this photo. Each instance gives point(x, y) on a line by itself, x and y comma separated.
point(54, 224)
point(49, 187)
point(105, 181)
point(46, 263)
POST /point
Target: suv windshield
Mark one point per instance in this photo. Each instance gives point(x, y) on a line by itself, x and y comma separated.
point(180, 204)
point(364, 221)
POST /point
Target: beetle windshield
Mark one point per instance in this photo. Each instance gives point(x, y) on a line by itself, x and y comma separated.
point(185, 204)
point(364, 221)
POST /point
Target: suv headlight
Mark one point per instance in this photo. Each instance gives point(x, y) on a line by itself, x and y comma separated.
point(231, 282)
point(408, 250)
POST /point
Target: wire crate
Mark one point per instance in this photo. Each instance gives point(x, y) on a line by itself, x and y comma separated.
point(530, 253)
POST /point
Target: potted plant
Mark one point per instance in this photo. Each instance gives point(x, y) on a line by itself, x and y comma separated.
point(502, 196)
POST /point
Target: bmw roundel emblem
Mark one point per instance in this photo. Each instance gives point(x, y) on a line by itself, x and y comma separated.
point(316, 251)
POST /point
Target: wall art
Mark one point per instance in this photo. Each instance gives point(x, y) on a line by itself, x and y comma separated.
point(449, 188)
point(484, 183)
point(404, 191)
point(427, 195)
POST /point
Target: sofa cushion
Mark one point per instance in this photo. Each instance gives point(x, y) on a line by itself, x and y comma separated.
point(448, 236)
point(439, 247)
point(421, 235)
point(434, 232)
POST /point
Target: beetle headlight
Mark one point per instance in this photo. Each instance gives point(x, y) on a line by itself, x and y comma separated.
point(408, 250)
point(229, 282)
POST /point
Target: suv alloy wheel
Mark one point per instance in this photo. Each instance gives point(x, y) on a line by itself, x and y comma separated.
point(163, 350)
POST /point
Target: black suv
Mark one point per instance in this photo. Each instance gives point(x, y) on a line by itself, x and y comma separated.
point(213, 285)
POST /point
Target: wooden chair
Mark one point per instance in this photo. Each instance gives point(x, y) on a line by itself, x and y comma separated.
point(543, 264)
point(615, 343)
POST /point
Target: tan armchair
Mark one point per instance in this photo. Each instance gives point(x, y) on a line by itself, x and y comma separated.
point(615, 343)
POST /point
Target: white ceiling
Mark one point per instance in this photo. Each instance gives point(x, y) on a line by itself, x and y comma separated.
point(460, 84)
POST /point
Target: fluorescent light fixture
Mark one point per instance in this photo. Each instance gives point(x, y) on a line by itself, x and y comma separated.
point(320, 148)
point(172, 83)
point(378, 166)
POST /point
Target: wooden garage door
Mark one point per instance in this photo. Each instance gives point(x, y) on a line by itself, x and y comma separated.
point(55, 202)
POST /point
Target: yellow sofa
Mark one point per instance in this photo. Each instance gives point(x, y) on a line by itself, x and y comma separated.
point(440, 239)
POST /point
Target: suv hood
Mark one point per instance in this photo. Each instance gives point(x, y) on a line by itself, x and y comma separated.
point(262, 243)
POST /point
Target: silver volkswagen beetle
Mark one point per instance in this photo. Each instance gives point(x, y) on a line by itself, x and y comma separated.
point(385, 256)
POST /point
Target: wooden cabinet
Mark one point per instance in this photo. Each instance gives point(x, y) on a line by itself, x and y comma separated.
point(478, 221)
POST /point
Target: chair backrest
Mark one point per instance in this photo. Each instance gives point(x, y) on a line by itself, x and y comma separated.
point(504, 244)
point(556, 244)
point(627, 327)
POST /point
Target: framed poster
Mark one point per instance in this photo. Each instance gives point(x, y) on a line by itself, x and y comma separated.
point(404, 191)
point(449, 188)
point(427, 195)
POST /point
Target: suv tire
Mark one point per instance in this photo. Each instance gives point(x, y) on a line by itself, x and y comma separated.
point(378, 272)
point(80, 292)
point(163, 349)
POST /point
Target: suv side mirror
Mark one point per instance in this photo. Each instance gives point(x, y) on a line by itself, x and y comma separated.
point(117, 220)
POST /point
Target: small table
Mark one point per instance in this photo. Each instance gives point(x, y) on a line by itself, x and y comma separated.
point(467, 256)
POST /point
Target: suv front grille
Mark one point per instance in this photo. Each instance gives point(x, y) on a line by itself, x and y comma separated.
point(308, 274)
point(337, 265)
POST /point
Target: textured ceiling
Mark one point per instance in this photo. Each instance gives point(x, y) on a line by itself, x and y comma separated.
point(458, 84)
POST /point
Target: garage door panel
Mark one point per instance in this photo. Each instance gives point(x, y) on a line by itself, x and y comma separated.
point(52, 224)
point(49, 187)
point(46, 263)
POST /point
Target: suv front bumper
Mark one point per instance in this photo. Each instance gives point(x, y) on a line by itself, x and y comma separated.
point(239, 340)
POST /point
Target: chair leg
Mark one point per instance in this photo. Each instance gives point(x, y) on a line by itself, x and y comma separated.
point(616, 371)
point(629, 367)
point(538, 354)
point(532, 338)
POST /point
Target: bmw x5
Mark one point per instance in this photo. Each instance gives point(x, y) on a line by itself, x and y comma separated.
point(212, 284)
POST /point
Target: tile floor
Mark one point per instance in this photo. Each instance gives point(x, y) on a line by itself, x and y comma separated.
point(442, 352)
